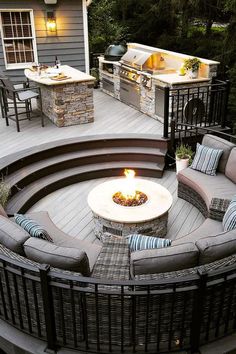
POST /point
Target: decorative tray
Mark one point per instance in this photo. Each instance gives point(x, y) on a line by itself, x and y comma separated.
point(60, 78)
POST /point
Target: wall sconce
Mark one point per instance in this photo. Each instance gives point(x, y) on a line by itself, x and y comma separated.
point(51, 22)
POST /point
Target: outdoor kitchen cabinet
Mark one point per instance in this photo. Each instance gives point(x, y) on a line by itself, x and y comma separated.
point(140, 77)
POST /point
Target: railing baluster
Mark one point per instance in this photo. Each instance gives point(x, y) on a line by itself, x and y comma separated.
point(9, 293)
point(166, 112)
point(36, 309)
point(72, 299)
point(97, 318)
point(62, 315)
point(3, 299)
point(122, 319)
point(133, 322)
point(159, 323)
point(26, 300)
point(18, 301)
point(147, 318)
point(109, 322)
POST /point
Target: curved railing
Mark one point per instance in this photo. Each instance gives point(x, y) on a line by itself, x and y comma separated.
point(67, 310)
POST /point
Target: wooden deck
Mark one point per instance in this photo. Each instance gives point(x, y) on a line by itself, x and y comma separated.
point(68, 207)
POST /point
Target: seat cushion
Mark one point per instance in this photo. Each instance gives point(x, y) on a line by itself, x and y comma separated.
point(67, 258)
point(60, 238)
point(32, 227)
point(218, 143)
point(139, 242)
point(206, 159)
point(229, 219)
point(208, 228)
point(206, 186)
point(12, 235)
point(230, 169)
point(216, 247)
point(27, 95)
point(165, 259)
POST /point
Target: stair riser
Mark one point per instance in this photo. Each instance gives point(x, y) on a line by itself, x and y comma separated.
point(79, 178)
point(41, 155)
point(84, 161)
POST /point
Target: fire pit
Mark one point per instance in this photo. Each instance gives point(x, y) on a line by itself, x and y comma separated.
point(130, 205)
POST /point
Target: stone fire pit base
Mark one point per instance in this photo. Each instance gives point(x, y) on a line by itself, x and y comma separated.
point(156, 227)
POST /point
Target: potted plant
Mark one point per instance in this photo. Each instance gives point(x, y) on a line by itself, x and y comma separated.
point(183, 157)
point(192, 65)
point(5, 191)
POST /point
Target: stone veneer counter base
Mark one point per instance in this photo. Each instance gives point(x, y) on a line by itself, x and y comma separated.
point(66, 102)
point(149, 218)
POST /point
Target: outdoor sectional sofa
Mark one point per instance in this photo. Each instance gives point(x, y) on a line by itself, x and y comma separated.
point(163, 309)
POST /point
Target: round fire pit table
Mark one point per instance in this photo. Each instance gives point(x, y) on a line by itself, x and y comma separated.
point(149, 218)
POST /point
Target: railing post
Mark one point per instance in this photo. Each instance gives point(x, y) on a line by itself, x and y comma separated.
point(166, 112)
point(198, 312)
point(172, 135)
point(48, 309)
point(226, 100)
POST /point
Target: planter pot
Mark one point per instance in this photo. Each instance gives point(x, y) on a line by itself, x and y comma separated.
point(193, 74)
point(181, 164)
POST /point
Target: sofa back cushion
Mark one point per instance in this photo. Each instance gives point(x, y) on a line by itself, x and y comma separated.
point(217, 247)
point(162, 260)
point(67, 258)
point(218, 143)
point(32, 227)
point(230, 169)
point(12, 235)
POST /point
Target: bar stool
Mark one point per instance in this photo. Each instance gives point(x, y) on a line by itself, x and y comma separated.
point(13, 96)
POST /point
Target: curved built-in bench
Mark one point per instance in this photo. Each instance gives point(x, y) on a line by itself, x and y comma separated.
point(178, 310)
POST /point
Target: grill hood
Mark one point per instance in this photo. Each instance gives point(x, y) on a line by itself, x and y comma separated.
point(142, 59)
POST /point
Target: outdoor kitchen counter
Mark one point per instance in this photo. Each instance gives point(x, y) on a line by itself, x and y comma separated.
point(175, 79)
point(66, 102)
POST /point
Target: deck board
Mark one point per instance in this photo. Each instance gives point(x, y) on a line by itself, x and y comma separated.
point(68, 207)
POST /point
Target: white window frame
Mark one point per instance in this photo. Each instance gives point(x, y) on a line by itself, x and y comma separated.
point(20, 65)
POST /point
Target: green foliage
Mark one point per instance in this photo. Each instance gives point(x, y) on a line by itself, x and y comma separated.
point(184, 152)
point(192, 64)
point(4, 193)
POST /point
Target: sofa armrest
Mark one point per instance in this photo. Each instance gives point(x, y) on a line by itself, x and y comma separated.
point(218, 208)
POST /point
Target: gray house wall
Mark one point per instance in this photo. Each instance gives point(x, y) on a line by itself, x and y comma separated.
point(67, 44)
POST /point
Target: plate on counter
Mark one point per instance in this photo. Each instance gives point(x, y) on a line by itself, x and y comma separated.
point(60, 77)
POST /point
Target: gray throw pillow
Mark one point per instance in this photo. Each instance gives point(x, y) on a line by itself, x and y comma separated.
point(206, 159)
point(32, 227)
point(12, 235)
point(67, 258)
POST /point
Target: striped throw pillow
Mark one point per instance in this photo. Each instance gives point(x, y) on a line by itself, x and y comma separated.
point(229, 219)
point(206, 159)
point(139, 242)
point(31, 226)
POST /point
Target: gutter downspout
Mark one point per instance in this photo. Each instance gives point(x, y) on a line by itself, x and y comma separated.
point(85, 4)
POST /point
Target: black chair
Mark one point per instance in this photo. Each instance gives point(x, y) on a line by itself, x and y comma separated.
point(14, 97)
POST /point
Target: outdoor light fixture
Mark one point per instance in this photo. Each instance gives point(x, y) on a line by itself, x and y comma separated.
point(51, 22)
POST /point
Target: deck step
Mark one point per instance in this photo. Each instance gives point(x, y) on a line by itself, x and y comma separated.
point(30, 173)
point(14, 162)
point(38, 189)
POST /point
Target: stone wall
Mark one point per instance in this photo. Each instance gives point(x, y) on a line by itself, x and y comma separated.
point(68, 104)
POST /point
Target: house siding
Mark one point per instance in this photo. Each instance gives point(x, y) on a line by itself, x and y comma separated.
point(67, 44)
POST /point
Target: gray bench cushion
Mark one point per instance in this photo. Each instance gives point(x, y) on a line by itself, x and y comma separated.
point(60, 257)
point(206, 186)
point(12, 235)
point(166, 259)
point(218, 143)
point(213, 248)
point(209, 227)
point(230, 169)
point(60, 238)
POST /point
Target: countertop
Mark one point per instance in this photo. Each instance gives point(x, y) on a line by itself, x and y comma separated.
point(175, 79)
point(73, 74)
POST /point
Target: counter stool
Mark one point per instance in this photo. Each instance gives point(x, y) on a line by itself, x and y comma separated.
point(13, 96)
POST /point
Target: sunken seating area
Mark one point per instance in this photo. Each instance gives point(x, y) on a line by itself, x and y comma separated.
point(108, 312)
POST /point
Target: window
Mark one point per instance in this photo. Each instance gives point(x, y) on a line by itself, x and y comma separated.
point(18, 38)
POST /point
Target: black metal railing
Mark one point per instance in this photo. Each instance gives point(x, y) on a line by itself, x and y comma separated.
point(67, 310)
point(202, 105)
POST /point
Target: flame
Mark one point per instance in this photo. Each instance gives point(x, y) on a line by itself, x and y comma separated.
point(128, 188)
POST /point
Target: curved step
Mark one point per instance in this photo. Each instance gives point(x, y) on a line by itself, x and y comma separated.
point(29, 195)
point(34, 171)
point(15, 161)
